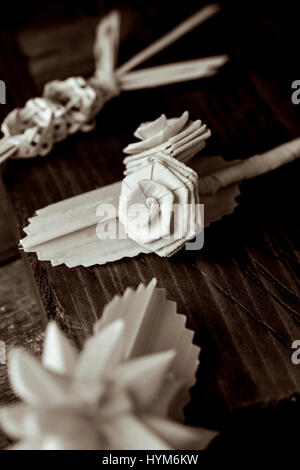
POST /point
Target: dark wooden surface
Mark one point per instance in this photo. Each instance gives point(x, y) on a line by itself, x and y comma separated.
point(21, 322)
point(8, 242)
point(240, 293)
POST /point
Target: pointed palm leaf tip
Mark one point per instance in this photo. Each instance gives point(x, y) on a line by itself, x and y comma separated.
point(101, 352)
point(59, 355)
point(117, 392)
point(32, 382)
point(145, 377)
point(13, 419)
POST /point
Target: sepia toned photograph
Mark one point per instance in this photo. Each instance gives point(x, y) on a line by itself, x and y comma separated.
point(149, 230)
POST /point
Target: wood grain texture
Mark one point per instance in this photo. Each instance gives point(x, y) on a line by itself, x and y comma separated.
point(21, 322)
point(241, 292)
point(8, 242)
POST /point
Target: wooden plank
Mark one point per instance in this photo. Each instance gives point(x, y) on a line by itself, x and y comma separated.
point(241, 292)
point(8, 242)
point(21, 322)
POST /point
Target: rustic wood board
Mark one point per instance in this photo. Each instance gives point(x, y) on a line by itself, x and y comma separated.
point(8, 242)
point(240, 293)
point(21, 322)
